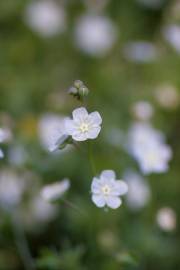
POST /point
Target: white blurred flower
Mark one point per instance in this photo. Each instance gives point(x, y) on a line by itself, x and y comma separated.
point(139, 192)
point(143, 110)
point(41, 210)
point(167, 96)
point(45, 17)
point(148, 147)
point(106, 190)
point(11, 188)
point(5, 135)
point(55, 190)
point(153, 4)
point(95, 35)
point(1, 153)
point(140, 51)
point(172, 35)
point(166, 219)
point(83, 126)
point(51, 130)
point(17, 155)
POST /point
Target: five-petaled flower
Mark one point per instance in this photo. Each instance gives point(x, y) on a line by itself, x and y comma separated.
point(83, 126)
point(106, 190)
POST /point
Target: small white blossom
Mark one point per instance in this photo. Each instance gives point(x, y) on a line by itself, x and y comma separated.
point(83, 126)
point(51, 130)
point(140, 51)
point(45, 17)
point(106, 190)
point(5, 135)
point(172, 35)
point(55, 190)
point(148, 147)
point(95, 35)
point(11, 188)
point(166, 219)
point(139, 192)
point(142, 110)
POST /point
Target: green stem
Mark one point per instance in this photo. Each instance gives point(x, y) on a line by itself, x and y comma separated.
point(21, 243)
point(91, 158)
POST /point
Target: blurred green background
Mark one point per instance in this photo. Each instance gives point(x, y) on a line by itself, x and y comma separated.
point(36, 70)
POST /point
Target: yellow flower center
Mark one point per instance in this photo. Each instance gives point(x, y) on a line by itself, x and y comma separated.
point(106, 189)
point(84, 127)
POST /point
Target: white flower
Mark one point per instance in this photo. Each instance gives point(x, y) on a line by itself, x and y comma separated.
point(95, 35)
point(83, 126)
point(148, 147)
point(56, 190)
point(5, 135)
point(139, 192)
point(140, 51)
point(166, 219)
point(106, 190)
point(45, 17)
point(143, 110)
point(1, 153)
point(172, 35)
point(51, 129)
point(11, 188)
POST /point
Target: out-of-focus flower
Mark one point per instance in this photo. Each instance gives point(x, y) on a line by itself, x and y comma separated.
point(83, 126)
point(140, 51)
point(45, 17)
point(106, 190)
point(95, 35)
point(1, 153)
point(167, 96)
point(56, 190)
point(172, 35)
point(51, 131)
point(148, 147)
point(17, 155)
point(11, 188)
point(139, 192)
point(142, 110)
point(166, 219)
point(153, 4)
point(41, 210)
point(5, 135)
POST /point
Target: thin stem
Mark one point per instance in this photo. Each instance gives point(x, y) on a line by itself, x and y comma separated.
point(21, 243)
point(91, 158)
point(73, 206)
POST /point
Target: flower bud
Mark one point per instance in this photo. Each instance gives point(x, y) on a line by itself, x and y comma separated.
point(78, 84)
point(83, 91)
point(73, 91)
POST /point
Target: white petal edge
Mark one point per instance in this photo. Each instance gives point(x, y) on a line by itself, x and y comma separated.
point(113, 202)
point(70, 128)
point(95, 118)
point(98, 200)
point(108, 174)
point(120, 188)
point(94, 132)
point(95, 186)
point(80, 137)
point(80, 114)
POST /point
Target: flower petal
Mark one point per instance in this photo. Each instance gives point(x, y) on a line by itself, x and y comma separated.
point(98, 200)
point(120, 188)
point(1, 153)
point(109, 174)
point(70, 127)
point(93, 132)
point(95, 118)
point(79, 136)
point(96, 186)
point(79, 114)
point(113, 202)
